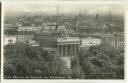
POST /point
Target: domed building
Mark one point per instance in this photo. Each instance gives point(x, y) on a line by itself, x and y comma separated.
point(61, 29)
point(49, 27)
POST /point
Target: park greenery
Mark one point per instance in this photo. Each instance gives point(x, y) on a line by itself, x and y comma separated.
point(102, 62)
point(97, 62)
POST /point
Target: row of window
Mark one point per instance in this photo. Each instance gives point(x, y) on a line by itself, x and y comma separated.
point(91, 43)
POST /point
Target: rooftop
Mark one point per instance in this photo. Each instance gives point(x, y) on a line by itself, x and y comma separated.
point(6, 36)
point(68, 39)
point(29, 28)
point(90, 38)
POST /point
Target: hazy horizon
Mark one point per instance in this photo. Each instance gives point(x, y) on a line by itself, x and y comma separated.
point(51, 8)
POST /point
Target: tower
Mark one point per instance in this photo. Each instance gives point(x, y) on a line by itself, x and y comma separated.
point(76, 23)
point(58, 16)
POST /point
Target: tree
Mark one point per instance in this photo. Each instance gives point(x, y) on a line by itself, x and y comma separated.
point(9, 70)
point(23, 61)
point(120, 65)
point(100, 62)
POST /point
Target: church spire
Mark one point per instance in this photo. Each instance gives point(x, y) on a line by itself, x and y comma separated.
point(58, 15)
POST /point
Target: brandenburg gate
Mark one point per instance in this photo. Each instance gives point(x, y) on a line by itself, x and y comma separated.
point(68, 46)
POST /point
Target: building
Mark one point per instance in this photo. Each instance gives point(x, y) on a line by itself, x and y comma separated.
point(10, 29)
point(32, 43)
point(49, 24)
point(61, 29)
point(68, 46)
point(25, 34)
point(120, 40)
point(49, 27)
point(107, 38)
point(53, 27)
point(9, 40)
point(113, 39)
point(89, 41)
point(46, 39)
point(28, 28)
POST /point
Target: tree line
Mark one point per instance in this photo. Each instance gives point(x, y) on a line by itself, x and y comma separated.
point(97, 62)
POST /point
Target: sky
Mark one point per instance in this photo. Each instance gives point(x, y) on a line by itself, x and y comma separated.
point(15, 8)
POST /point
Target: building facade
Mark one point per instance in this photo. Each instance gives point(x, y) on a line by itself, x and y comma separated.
point(114, 39)
point(10, 29)
point(68, 46)
point(25, 34)
point(120, 40)
point(88, 42)
point(9, 40)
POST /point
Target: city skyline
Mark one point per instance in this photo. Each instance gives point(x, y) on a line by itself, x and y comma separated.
point(63, 40)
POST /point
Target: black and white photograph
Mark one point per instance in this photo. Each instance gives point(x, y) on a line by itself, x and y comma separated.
point(63, 40)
